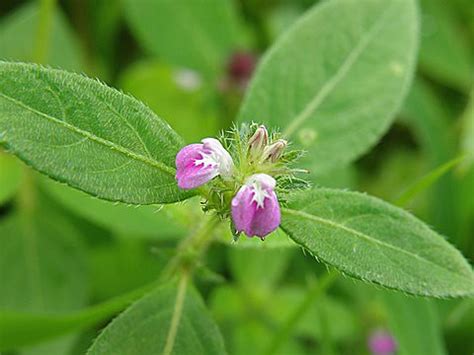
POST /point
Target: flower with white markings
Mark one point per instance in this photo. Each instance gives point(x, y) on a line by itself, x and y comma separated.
point(255, 208)
point(243, 173)
point(197, 164)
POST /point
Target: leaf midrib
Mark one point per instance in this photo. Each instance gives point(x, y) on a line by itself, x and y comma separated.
point(366, 237)
point(347, 64)
point(154, 163)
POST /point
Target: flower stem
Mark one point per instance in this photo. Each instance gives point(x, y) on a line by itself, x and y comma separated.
point(43, 33)
point(312, 295)
point(191, 249)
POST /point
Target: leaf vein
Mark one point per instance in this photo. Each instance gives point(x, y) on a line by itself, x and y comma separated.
point(96, 139)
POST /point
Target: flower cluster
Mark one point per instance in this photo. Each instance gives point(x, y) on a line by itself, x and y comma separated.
point(242, 176)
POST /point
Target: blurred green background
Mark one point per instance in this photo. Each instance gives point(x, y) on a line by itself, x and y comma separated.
point(61, 250)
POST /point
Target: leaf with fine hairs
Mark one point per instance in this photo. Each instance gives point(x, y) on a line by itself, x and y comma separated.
point(81, 132)
point(374, 241)
point(335, 80)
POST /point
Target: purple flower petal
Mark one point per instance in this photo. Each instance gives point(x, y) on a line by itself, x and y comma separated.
point(197, 164)
point(255, 207)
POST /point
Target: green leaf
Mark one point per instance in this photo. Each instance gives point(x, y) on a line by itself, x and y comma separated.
point(42, 265)
point(42, 268)
point(10, 177)
point(77, 130)
point(445, 52)
point(467, 135)
point(150, 221)
point(198, 34)
point(17, 38)
point(25, 328)
point(151, 319)
point(335, 80)
point(371, 240)
point(426, 181)
point(414, 323)
point(426, 115)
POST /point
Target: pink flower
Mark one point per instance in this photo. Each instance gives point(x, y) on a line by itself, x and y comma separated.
point(255, 208)
point(197, 164)
point(382, 343)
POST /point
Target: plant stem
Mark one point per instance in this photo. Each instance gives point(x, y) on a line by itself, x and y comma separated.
point(191, 249)
point(43, 33)
point(312, 295)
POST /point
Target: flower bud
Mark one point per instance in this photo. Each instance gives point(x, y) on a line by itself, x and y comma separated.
point(255, 207)
point(273, 152)
point(258, 142)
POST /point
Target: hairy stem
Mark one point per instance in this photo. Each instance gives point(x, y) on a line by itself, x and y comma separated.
point(312, 295)
point(191, 249)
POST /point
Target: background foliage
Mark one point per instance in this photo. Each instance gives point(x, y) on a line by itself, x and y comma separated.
point(69, 263)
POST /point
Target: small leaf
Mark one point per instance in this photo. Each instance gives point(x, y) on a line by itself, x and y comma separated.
point(77, 130)
point(415, 324)
point(371, 240)
point(151, 318)
point(198, 34)
point(335, 80)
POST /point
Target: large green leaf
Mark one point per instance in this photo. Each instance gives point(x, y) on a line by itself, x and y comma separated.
point(198, 34)
point(77, 130)
point(414, 323)
point(151, 319)
point(369, 239)
point(18, 35)
point(335, 80)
